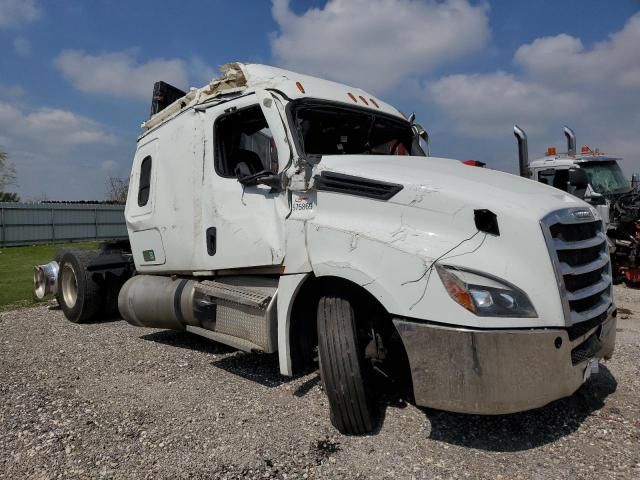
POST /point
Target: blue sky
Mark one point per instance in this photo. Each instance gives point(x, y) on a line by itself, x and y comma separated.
point(76, 76)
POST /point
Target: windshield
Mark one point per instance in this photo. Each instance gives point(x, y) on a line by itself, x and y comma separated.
point(606, 177)
point(324, 128)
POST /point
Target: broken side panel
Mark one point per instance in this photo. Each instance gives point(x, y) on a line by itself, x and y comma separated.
point(164, 95)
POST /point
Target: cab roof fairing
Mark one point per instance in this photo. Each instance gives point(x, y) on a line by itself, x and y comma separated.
point(244, 78)
point(565, 160)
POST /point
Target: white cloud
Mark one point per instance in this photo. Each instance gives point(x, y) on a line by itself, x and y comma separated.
point(58, 153)
point(376, 44)
point(564, 59)
point(51, 127)
point(119, 74)
point(22, 46)
point(16, 12)
point(486, 104)
point(594, 89)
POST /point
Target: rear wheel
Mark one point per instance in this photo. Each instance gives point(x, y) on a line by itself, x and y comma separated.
point(78, 294)
point(345, 371)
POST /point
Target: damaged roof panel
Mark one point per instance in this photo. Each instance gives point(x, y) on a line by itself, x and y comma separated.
point(244, 77)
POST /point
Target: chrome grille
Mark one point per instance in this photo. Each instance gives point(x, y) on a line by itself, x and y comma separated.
point(580, 255)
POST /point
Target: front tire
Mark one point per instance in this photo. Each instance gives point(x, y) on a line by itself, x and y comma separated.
point(78, 294)
point(343, 367)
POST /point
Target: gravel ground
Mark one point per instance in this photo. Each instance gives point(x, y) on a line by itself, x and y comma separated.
point(114, 401)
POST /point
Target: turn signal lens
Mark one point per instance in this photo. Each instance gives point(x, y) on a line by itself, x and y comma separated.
point(300, 87)
point(456, 289)
point(485, 295)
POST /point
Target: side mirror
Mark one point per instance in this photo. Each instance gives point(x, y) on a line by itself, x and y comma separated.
point(578, 182)
point(421, 134)
point(635, 180)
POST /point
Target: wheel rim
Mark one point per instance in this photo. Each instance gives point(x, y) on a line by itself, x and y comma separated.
point(69, 286)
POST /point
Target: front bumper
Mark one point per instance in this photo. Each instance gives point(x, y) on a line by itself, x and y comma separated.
point(494, 372)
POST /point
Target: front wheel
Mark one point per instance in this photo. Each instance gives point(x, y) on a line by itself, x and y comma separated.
point(343, 367)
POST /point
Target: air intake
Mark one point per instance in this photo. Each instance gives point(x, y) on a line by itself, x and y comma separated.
point(352, 185)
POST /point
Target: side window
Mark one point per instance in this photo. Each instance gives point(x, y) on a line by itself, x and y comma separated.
point(144, 187)
point(244, 137)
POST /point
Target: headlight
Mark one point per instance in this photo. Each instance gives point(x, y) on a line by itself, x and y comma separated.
point(484, 295)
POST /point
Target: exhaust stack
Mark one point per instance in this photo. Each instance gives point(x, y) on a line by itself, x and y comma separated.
point(523, 151)
point(45, 279)
point(571, 141)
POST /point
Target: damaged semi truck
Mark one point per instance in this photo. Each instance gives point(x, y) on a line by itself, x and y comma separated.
point(278, 212)
point(598, 179)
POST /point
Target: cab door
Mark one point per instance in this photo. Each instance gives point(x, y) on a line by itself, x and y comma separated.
point(244, 225)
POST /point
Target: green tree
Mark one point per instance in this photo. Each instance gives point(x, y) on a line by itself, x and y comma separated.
point(7, 177)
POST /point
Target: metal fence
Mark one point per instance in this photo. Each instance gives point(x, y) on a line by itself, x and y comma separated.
point(31, 223)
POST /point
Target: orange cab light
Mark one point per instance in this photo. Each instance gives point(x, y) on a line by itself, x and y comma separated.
point(551, 151)
point(585, 149)
point(374, 102)
point(352, 97)
point(363, 100)
point(300, 87)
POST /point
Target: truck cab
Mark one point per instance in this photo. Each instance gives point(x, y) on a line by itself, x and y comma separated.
point(598, 179)
point(286, 214)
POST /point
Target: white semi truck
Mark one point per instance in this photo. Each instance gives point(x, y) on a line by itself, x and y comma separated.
point(598, 179)
point(278, 212)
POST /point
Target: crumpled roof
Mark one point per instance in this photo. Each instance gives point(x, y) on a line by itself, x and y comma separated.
point(232, 79)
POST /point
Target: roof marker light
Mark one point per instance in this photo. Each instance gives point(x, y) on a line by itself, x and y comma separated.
point(374, 102)
point(585, 149)
point(363, 100)
point(352, 97)
point(300, 87)
point(551, 151)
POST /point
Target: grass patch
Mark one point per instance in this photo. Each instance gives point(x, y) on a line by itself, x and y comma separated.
point(16, 271)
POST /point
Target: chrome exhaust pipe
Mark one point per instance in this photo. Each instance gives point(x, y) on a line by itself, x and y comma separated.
point(523, 151)
point(571, 141)
point(45, 279)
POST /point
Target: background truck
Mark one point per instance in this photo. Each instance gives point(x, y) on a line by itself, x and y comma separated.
point(604, 186)
point(281, 213)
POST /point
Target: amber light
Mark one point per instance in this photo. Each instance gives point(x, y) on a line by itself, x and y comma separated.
point(585, 149)
point(363, 100)
point(456, 290)
point(551, 151)
point(300, 87)
point(374, 102)
point(352, 97)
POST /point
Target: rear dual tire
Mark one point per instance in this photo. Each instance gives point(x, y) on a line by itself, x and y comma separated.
point(78, 294)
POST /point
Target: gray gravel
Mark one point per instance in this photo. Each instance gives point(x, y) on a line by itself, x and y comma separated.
point(108, 400)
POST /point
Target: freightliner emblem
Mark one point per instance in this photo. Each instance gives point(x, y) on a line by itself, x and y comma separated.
point(583, 214)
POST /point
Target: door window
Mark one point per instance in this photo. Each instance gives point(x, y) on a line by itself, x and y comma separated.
point(144, 187)
point(244, 137)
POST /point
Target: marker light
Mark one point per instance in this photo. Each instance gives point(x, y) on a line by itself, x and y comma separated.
point(363, 100)
point(352, 97)
point(551, 151)
point(585, 149)
point(374, 102)
point(300, 87)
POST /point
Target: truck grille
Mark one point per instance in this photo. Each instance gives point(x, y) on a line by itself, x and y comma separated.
point(580, 255)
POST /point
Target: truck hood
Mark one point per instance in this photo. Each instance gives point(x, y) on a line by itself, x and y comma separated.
point(445, 186)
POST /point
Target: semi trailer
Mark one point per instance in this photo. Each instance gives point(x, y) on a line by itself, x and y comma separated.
point(281, 213)
point(598, 179)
